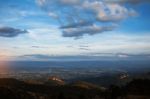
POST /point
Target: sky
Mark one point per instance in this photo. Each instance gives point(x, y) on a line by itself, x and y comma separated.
point(74, 29)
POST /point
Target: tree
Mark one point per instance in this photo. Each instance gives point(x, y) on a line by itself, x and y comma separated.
point(61, 95)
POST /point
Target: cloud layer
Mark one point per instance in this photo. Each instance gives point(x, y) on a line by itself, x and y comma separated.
point(11, 32)
point(80, 17)
point(101, 56)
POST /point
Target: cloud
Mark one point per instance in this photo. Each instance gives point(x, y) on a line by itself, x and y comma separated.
point(70, 1)
point(84, 46)
point(11, 32)
point(90, 30)
point(35, 46)
point(109, 12)
point(38, 46)
point(85, 49)
point(100, 56)
point(125, 55)
point(79, 17)
point(37, 56)
point(128, 1)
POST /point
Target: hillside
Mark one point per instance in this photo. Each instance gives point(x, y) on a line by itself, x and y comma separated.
point(15, 89)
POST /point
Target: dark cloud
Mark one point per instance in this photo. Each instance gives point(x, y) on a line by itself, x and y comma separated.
point(38, 56)
point(85, 49)
point(38, 46)
point(35, 46)
point(84, 46)
point(11, 32)
point(92, 30)
point(76, 25)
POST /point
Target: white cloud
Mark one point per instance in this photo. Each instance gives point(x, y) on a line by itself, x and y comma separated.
point(76, 15)
point(41, 2)
point(44, 33)
point(53, 15)
point(109, 12)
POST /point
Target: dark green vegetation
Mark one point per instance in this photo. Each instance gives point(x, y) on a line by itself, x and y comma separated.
point(15, 89)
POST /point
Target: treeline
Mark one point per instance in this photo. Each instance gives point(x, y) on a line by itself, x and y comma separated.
point(14, 89)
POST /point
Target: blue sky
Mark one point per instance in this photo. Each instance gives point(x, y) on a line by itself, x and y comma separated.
point(99, 29)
